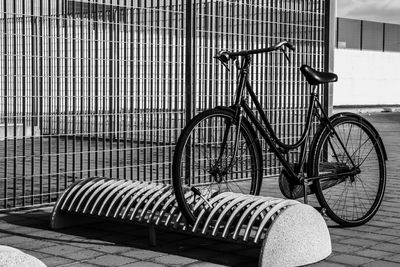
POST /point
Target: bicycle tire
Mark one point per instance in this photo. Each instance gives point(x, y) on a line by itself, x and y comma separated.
point(195, 159)
point(344, 203)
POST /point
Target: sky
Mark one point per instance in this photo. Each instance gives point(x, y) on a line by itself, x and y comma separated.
point(375, 10)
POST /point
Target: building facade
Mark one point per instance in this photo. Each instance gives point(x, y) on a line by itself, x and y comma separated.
point(367, 60)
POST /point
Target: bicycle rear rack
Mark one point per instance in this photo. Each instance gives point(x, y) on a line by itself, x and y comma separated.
point(289, 233)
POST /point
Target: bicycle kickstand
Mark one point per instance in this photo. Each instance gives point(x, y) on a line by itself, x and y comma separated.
point(305, 190)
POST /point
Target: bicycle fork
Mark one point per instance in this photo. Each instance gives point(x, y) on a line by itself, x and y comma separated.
point(238, 121)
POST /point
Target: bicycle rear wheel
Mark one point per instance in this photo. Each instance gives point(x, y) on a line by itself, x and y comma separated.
point(351, 200)
point(205, 159)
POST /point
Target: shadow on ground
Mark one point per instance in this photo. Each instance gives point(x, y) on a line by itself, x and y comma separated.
point(116, 238)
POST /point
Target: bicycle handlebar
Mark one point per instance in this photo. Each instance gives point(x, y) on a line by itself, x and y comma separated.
point(224, 56)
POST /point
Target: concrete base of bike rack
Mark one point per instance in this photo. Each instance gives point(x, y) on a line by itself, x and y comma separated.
point(288, 232)
point(13, 257)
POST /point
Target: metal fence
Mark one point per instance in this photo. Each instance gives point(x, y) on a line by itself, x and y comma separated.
point(103, 87)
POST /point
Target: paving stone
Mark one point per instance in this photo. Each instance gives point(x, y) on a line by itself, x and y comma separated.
point(350, 259)
point(14, 240)
point(111, 260)
point(376, 236)
point(59, 249)
point(395, 248)
point(338, 247)
point(390, 231)
point(56, 261)
point(36, 254)
point(113, 248)
point(83, 254)
point(203, 264)
point(326, 264)
point(371, 253)
point(36, 244)
point(143, 264)
point(394, 258)
point(381, 263)
point(80, 264)
point(143, 254)
point(359, 242)
point(173, 259)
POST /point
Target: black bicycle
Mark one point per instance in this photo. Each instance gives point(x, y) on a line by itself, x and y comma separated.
point(219, 150)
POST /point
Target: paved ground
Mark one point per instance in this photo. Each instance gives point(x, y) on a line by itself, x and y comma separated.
point(114, 244)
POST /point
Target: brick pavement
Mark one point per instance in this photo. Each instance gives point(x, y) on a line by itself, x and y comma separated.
point(115, 244)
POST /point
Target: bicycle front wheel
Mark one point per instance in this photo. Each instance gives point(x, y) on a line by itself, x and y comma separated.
point(214, 155)
point(351, 200)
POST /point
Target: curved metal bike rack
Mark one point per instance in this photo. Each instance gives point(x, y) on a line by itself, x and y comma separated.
point(289, 233)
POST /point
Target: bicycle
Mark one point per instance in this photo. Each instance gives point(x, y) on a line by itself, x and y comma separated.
point(219, 150)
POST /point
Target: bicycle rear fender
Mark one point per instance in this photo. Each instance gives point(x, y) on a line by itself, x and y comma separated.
point(364, 121)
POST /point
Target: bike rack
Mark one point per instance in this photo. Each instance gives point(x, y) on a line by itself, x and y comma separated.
point(289, 233)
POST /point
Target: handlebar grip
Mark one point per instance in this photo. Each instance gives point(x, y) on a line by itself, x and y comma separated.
point(290, 46)
point(223, 56)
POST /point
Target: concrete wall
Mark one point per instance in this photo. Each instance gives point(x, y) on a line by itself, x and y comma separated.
point(366, 77)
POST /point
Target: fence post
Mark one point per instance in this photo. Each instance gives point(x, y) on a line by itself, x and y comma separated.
point(189, 54)
point(34, 96)
point(330, 35)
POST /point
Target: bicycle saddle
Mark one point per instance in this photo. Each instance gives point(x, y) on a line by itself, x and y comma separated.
point(315, 77)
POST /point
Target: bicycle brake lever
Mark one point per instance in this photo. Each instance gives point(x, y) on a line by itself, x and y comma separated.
point(226, 66)
point(284, 52)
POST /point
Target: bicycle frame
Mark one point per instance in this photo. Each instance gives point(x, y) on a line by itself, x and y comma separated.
point(276, 145)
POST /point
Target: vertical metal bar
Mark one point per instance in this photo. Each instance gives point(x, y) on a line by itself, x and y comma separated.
point(145, 90)
point(66, 93)
point(6, 81)
point(33, 98)
point(172, 52)
point(82, 110)
point(284, 80)
point(74, 90)
point(161, 104)
point(24, 96)
point(132, 92)
point(88, 77)
point(14, 103)
point(189, 85)
point(383, 36)
point(50, 95)
point(104, 82)
point(96, 85)
point(111, 90)
point(329, 41)
point(276, 78)
point(189, 75)
point(117, 83)
point(125, 94)
point(159, 97)
point(58, 96)
point(41, 102)
point(138, 86)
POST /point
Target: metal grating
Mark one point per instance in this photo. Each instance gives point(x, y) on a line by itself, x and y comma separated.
point(103, 87)
point(242, 25)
